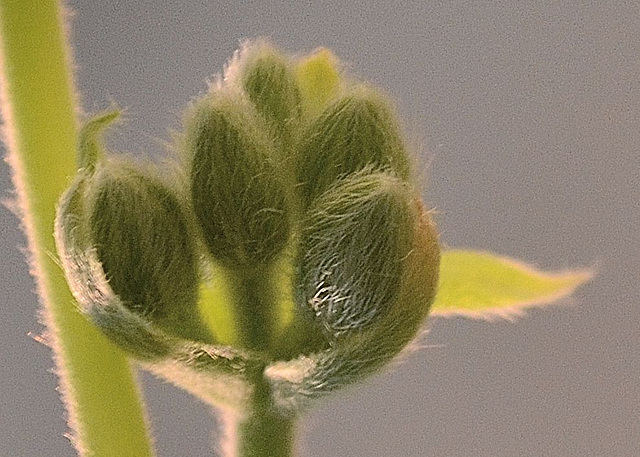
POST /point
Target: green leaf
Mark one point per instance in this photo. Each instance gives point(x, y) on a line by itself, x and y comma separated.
point(484, 285)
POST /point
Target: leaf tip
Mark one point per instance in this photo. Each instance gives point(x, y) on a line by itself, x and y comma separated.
point(482, 285)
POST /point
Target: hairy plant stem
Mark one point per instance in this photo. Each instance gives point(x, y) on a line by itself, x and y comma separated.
point(261, 432)
point(97, 381)
point(254, 292)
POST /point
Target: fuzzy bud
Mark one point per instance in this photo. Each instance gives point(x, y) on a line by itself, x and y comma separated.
point(142, 240)
point(356, 131)
point(238, 198)
point(270, 83)
point(355, 246)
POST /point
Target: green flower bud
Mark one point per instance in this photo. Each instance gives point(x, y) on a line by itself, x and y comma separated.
point(355, 245)
point(266, 76)
point(124, 230)
point(355, 131)
point(238, 198)
point(369, 273)
point(144, 244)
point(89, 285)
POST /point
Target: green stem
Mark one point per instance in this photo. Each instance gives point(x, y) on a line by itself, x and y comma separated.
point(265, 435)
point(260, 433)
point(254, 295)
point(97, 382)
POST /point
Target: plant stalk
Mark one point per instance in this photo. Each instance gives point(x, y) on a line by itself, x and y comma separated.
point(38, 108)
point(261, 432)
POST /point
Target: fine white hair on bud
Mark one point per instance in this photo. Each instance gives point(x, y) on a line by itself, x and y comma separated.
point(355, 241)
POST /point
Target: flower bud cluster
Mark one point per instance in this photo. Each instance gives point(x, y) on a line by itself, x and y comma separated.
point(288, 250)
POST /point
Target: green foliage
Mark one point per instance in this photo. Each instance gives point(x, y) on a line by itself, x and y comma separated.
point(484, 285)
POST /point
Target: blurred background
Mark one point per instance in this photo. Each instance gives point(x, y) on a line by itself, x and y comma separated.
point(526, 118)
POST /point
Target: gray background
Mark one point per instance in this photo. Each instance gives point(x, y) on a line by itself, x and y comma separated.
point(526, 116)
